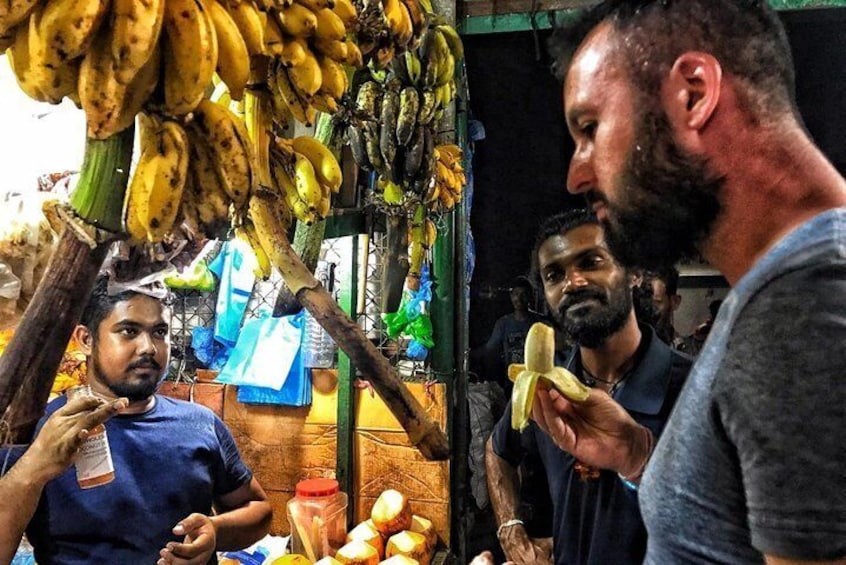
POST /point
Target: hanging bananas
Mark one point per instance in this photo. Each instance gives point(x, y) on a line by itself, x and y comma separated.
point(539, 356)
point(307, 173)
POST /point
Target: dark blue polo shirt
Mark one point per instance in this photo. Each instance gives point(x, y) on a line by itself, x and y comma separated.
point(598, 521)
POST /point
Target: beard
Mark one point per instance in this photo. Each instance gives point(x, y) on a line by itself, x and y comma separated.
point(134, 391)
point(668, 200)
point(591, 329)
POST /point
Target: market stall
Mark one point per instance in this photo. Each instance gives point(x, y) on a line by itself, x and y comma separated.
point(313, 143)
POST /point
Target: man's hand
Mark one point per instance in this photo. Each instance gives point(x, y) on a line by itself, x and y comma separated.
point(197, 547)
point(520, 549)
point(57, 444)
point(598, 431)
point(486, 558)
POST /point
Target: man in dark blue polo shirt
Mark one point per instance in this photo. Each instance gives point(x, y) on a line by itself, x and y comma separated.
point(596, 517)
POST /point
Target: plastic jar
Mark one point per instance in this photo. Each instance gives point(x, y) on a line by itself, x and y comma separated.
point(94, 464)
point(318, 518)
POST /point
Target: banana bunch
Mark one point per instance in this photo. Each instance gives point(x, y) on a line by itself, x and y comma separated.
point(310, 43)
point(116, 57)
point(307, 174)
point(449, 183)
point(200, 171)
point(539, 355)
point(390, 27)
point(154, 194)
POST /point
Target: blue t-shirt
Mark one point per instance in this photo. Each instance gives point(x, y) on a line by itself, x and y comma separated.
point(753, 460)
point(598, 521)
point(171, 461)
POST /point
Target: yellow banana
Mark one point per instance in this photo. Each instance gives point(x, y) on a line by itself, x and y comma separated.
point(325, 164)
point(345, 10)
point(329, 25)
point(354, 57)
point(110, 106)
point(274, 40)
point(393, 14)
point(337, 50)
point(324, 207)
point(406, 29)
point(323, 102)
point(15, 12)
point(431, 233)
point(38, 80)
point(297, 20)
point(230, 146)
point(456, 46)
point(143, 176)
point(305, 178)
point(233, 59)
point(539, 356)
point(205, 187)
point(315, 5)
point(136, 28)
point(301, 109)
point(250, 24)
point(190, 54)
point(247, 232)
point(333, 78)
point(170, 169)
point(306, 76)
point(294, 52)
point(64, 29)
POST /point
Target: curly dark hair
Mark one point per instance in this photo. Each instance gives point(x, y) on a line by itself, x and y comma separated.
point(745, 36)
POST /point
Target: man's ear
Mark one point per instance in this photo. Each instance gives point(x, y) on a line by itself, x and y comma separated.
point(692, 90)
point(84, 338)
point(675, 302)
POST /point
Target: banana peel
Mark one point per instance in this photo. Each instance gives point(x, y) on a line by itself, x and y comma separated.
point(540, 365)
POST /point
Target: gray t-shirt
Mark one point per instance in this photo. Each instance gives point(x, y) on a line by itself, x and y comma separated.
point(753, 460)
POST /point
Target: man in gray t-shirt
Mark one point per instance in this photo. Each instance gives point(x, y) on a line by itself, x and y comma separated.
point(687, 139)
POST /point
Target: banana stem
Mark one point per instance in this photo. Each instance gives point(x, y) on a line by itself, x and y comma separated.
point(99, 194)
point(31, 360)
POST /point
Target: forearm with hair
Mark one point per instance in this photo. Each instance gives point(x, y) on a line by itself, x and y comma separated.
point(502, 485)
point(242, 527)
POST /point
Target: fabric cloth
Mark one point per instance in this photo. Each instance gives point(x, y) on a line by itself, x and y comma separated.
point(598, 521)
point(753, 457)
point(169, 462)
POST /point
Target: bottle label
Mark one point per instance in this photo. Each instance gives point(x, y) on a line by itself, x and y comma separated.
point(95, 458)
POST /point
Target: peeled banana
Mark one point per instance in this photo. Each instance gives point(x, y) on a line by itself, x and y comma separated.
point(539, 356)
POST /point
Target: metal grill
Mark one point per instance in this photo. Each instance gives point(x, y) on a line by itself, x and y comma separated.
point(194, 308)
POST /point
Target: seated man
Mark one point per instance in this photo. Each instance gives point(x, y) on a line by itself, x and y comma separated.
point(175, 462)
point(596, 517)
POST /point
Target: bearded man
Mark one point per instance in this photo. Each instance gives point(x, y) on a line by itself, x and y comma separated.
point(596, 517)
point(688, 139)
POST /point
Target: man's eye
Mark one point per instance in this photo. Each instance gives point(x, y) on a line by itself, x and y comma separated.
point(588, 129)
point(161, 334)
point(128, 331)
point(551, 276)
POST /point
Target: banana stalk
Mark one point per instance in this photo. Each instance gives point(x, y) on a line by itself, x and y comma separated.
point(30, 362)
point(423, 432)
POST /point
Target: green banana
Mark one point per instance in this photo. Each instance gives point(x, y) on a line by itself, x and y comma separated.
point(456, 46)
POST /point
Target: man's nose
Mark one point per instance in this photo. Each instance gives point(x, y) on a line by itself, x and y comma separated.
point(575, 281)
point(146, 344)
point(580, 178)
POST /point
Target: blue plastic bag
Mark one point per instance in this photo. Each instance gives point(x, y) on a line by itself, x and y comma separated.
point(236, 284)
point(265, 352)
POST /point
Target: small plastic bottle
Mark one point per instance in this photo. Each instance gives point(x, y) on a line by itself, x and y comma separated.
point(94, 465)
